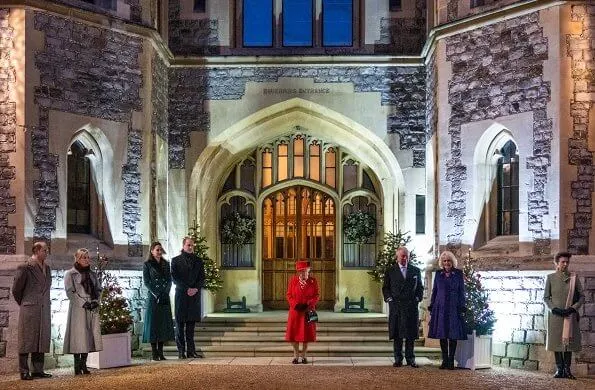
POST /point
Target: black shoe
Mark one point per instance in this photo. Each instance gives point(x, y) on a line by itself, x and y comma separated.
point(194, 355)
point(161, 357)
point(412, 365)
point(304, 360)
point(25, 376)
point(295, 361)
point(398, 364)
point(444, 365)
point(41, 375)
point(560, 373)
point(181, 355)
point(568, 374)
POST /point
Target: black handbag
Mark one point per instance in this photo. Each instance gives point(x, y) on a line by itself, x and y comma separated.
point(311, 316)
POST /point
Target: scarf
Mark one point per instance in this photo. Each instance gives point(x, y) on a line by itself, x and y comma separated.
point(567, 331)
point(86, 281)
point(303, 283)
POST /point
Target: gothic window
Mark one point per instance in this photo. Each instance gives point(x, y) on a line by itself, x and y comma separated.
point(337, 22)
point(394, 5)
point(508, 191)
point(349, 176)
point(314, 165)
point(298, 22)
point(282, 160)
point(298, 157)
point(79, 190)
point(258, 23)
point(267, 168)
point(359, 255)
point(237, 256)
point(330, 174)
point(200, 6)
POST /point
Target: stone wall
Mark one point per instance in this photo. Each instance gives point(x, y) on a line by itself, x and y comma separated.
point(403, 36)
point(431, 97)
point(131, 177)
point(581, 50)
point(8, 320)
point(8, 126)
point(84, 70)
point(132, 289)
point(103, 7)
point(191, 36)
point(497, 70)
point(520, 332)
point(159, 96)
point(457, 11)
point(402, 88)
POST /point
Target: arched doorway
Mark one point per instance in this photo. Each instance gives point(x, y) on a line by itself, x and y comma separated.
point(298, 223)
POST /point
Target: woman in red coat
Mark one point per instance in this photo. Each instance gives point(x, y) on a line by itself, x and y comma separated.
point(302, 295)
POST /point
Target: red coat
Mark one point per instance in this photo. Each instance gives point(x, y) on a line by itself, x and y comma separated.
point(297, 328)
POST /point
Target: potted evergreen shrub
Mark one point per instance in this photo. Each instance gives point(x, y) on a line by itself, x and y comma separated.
point(116, 319)
point(476, 351)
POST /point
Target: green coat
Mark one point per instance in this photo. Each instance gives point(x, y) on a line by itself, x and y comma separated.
point(158, 325)
point(554, 295)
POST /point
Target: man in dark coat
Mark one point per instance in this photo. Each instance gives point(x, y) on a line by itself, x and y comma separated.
point(188, 274)
point(403, 291)
point(31, 291)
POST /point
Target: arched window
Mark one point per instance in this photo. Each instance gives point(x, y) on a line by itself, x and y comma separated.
point(508, 191)
point(233, 255)
point(360, 255)
point(79, 190)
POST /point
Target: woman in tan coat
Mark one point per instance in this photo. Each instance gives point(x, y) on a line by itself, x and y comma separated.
point(563, 296)
point(83, 328)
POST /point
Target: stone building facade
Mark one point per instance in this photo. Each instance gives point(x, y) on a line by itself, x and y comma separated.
point(415, 121)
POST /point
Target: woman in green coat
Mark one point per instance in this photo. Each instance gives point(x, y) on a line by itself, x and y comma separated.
point(158, 326)
point(563, 296)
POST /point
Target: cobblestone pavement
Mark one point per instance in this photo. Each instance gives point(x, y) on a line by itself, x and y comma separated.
point(278, 373)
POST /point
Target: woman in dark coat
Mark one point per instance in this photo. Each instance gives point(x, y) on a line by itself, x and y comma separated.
point(158, 326)
point(447, 307)
point(302, 295)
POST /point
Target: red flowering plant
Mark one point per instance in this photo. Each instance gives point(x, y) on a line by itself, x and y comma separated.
point(478, 316)
point(114, 313)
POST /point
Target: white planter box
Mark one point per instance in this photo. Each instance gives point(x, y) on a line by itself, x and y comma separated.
point(116, 352)
point(475, 352)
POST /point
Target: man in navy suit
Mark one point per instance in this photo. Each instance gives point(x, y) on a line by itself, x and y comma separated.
point(403, 290)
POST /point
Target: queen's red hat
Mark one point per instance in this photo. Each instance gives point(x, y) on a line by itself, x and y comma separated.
point(302, 265)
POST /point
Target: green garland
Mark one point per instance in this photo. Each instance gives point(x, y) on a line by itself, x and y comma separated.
point(359, 227)
point(237, 229)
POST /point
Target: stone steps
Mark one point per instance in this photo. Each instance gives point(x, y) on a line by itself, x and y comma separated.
point(264, 335)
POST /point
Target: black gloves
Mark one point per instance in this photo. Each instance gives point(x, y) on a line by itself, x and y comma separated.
point(430, 308)
point(92, 305)
point(559, 312)
point(301, 307)
point(569, 311)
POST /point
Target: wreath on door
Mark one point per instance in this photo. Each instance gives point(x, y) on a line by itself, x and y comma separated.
point(359, 227)
point(237, 229)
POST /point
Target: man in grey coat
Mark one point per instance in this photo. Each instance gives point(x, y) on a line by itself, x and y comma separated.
point(563, 296)
point(31, 291)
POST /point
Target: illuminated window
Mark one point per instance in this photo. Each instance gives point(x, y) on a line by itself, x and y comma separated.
point(508, 191)
point(330, 168)
point(267, 168)
point(314, 165)
point(282, 160)
point(298, 157)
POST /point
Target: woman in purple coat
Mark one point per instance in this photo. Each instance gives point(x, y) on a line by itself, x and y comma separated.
point(447, 307)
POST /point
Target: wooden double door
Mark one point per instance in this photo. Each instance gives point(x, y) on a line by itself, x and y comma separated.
point(298, 223)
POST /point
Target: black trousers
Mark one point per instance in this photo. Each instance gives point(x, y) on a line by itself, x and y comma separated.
point(36, 361)
point(398, 350)
point(185, 336)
